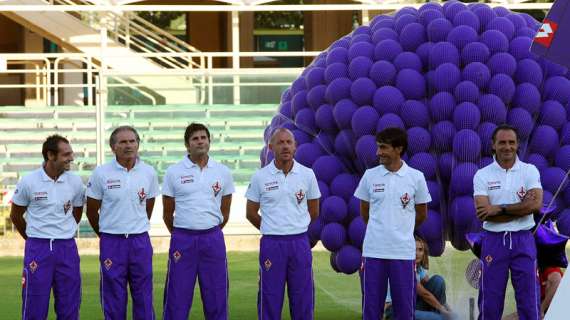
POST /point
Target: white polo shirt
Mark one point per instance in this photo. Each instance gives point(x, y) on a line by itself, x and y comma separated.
point(507, 187)
point(197, 193)
point(392, 216)
point(50, 203)
point(123, 196)
point(283, 199)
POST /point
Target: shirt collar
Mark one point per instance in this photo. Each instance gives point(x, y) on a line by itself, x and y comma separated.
point(47, 178)
point(117, 165)
point(401, 172)
point(515, 167)
point(189, 164)
point(274, 169)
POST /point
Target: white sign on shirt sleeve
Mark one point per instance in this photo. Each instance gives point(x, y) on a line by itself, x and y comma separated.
point(532, 178)
point(94, 187)
point(21, 194)
point(422, 194)
point(363, 190)
point(479, 188)
point(313, 192)
point(253, 192)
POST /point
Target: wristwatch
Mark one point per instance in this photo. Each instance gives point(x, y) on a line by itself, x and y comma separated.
point(504, 209)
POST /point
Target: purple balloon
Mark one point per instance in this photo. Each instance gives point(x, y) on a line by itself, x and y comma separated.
point(314, 77)
point(453, 9)
point(344, 143)
point(446, 77)
point(565, 133)
point(301, 137)
point(383, 73)
point(343, 111)
point(315, 229)
point(419, 140)
point(324, 118)
point(361, 49)
point(356, 231)
point(529, 71)
point(348, 259)
point(466, 91)
point(305, 120)
point(423, 53)
point(466, 116)
point(492, 109)
point(431, 229)
point(334, 209)
point(335, 71)
point(552, 179)
point(445, 165)
point(495, 40)
point(443, 52)
point(308, 153)
point(502, 86)
point(337, 55)
point(557, 88)
point(383, 34)
point(389, 120)
point(327, 167)
point(298, 86)
point(388, 99)
point(528, 97)
point(502, 62)
point(544, 140)
point(552, 114)
point(485, 14)
point(285, 110)
point(519, 47)
point(462, 179)
point(344, 185)
point(467, 18)
point(408, 60)
point(412, 36)
point(522, 121)
point(503, 25)
point(366, 151)
point(359, 67)
point(316, 96)
point(438, 29)
point(460, 36)
point(353, 208)
point(435, 193)
point(442, 135)
point(404, 20)
point(387, 50)
point(299, 102)
point(563, 222)
point(333, 236)
point(324, 189)
point(411, 83)
point(441, 106)
point(475, 52)
point(362, 91)
point(337, 90)
point(364, 121)
point(467, 146)
point(563, 158)
point(485, 132)
point(415, 114)
point(425, 163)
point(538, 160)
point(478, 73)
point(426, 17)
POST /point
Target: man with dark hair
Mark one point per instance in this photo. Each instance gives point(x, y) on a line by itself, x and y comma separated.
point(52, 199)
point(287, 193)
point(120, 199)
point(393, 201)
point(507, 193)
point(199, 190)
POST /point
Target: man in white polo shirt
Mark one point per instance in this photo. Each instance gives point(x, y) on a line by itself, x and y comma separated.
point(120, 199)
point(196, 198)
point(288, 195)
point(507, 193)
point(393, 202)
point(52, 199)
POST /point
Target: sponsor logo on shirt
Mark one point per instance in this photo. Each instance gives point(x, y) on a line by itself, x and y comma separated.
point(270, 186)
point(521, 193)
point(186, 179)
point(39, 196)
point(16, 191)
point(300, 196)
point(405, 199)
point(142, 195)
point(66, 206)
point(267, 264)
point(378, 187)
point(488, 259)
point(113, 184)
point(493, 185)
point(216, 187)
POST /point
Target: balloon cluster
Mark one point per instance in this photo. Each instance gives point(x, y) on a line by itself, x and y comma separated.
point(447, 74)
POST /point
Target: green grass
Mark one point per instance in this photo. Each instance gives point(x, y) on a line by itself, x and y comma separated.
point(337, 296)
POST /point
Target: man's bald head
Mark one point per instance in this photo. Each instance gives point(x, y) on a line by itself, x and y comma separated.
point(283, 145)
point(281, 131)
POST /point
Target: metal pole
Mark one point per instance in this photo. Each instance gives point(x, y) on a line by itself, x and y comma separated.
point(235, 55)
point(471, 308)
point(102, 101)
point(365, 17)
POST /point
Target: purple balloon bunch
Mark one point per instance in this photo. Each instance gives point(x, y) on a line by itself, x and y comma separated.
point(447, 74)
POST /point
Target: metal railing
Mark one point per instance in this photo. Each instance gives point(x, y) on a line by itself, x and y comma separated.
point(138, 35)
